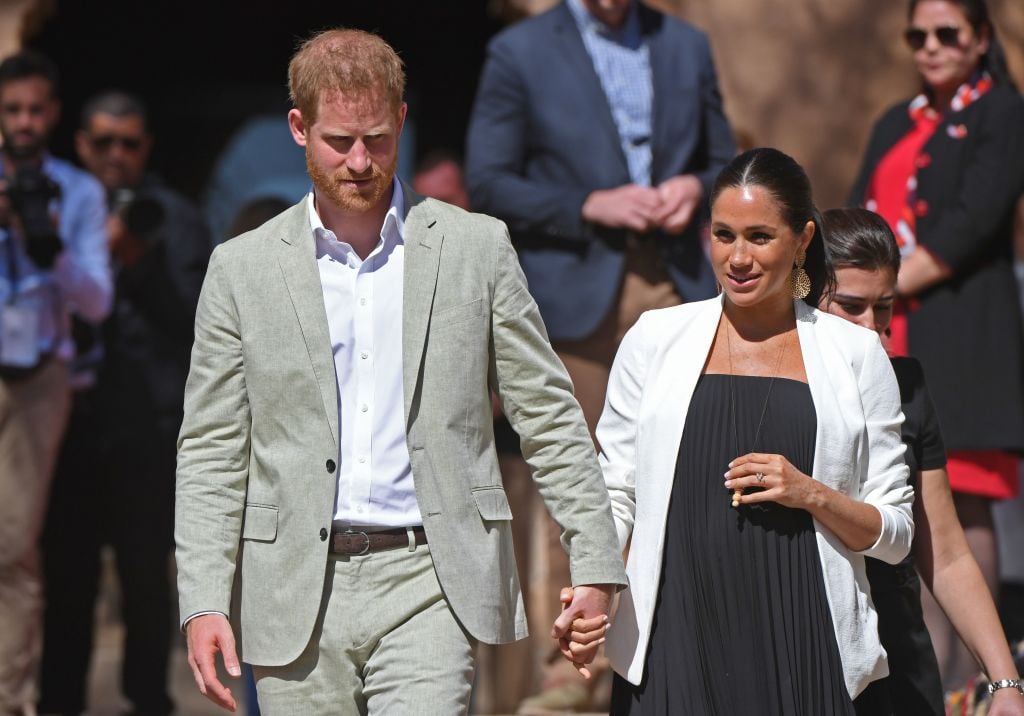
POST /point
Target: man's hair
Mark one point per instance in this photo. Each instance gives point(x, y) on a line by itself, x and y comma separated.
point(28, 64)
point(350, 62)
point(115, 103)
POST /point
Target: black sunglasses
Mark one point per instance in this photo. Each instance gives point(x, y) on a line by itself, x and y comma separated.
point(948, 36)
point(104, 142)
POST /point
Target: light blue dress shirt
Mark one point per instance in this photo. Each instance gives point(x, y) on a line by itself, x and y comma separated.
point(80, 281)
point(622, 61)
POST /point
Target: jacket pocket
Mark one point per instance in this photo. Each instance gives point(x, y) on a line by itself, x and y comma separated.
point(260, 523)
point(456, 314)
point(492, 503)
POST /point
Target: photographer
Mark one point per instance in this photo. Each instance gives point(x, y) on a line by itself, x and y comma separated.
point(52, 262)
point(115, 478)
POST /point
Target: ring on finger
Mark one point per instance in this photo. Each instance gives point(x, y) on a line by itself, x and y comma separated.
point(759, 477)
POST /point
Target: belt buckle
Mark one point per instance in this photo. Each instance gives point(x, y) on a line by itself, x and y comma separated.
point(366, 549)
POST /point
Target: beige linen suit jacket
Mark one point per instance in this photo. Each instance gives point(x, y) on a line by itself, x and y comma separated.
point(255, 497)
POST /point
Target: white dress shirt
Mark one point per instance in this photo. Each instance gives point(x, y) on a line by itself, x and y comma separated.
point(364, 316)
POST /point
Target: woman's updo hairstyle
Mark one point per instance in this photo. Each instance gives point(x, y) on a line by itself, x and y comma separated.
point(861, 239)
point(786, 182)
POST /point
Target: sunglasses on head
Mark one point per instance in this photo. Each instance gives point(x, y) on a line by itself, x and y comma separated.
point(948, 36)
point(103, 142)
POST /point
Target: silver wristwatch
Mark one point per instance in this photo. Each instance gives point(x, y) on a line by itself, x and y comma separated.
point(1006, 684)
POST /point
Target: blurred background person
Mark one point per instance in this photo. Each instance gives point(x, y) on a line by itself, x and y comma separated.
point(52, 261)
point(595, 135)
point(945, 170)
point(439, 176)
point(115, 478)
point(866, 261)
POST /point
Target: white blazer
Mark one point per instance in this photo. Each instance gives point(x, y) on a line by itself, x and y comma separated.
point(857, 451)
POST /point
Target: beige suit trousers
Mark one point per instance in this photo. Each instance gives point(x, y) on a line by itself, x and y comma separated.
point(33, 415)
point(385, 643)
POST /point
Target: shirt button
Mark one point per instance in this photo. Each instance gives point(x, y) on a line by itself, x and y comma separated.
point(360, 509)
point(365, 354)
point(362, 301)
point(365, 407)
point(323, 534)
point(921, 208)
point(331, 466)
point(923, 161)
point(362, 459)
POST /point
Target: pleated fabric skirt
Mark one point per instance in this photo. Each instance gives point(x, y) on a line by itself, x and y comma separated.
point(742, 623)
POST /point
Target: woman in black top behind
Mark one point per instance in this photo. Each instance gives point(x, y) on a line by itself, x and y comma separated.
point(866, 260)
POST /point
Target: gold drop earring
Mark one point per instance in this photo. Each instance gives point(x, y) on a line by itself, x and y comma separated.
point(800, 280)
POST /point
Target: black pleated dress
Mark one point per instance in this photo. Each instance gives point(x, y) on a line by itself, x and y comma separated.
point(742, 622)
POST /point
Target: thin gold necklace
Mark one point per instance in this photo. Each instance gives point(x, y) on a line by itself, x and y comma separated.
point(732, 401)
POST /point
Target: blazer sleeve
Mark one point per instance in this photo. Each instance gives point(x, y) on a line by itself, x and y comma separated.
point(496, 154)
point(213, 453)
point(721, 147)
point(617, 429)
point(992, 178)
point(536, 395)
point(885, 485)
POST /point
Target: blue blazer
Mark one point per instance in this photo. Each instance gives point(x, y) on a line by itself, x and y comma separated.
point(542, 138)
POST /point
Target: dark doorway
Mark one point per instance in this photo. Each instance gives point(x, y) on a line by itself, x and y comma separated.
point(204, 67)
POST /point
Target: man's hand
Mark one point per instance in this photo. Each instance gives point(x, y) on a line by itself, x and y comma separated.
point(208, 634)
point(630, 206)
point(680, 197)
point(581, 626)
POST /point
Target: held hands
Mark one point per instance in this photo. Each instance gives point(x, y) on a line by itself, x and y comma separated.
point(782, 482)
point(208, 634)
point(583, 623)
point(669, 206)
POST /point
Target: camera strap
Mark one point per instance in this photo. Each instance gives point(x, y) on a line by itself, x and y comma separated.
point(12, 265)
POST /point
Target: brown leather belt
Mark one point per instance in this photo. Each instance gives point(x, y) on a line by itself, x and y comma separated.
point(347, 541)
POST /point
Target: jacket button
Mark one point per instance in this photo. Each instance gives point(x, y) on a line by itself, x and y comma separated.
point(923, 161)
point(331, 466)
point(921, 208)
point(323, 534)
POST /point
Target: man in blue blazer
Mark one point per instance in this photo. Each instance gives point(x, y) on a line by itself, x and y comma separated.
point(596, 134)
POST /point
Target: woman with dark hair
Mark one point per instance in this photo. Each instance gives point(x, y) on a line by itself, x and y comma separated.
point(945, 170)
point(751, 448)
point(866, 261)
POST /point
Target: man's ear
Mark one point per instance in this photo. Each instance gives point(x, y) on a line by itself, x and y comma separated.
point(297, 125)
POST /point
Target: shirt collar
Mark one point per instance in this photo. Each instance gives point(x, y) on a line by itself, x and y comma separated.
point(391, 231)
point(587, 23)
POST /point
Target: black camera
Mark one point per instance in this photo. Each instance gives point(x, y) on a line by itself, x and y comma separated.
point(143, 214)
point(30, 192)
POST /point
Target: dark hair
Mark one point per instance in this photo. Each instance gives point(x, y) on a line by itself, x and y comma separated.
point(27, 64)
point(786, 181)
point(115, 103)
point(861, 239)
point(978, 17)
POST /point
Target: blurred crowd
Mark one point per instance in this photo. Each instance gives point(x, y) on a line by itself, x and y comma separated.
point(596, 134)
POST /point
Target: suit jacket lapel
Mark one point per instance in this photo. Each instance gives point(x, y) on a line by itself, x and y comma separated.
point(297, 258)
point(423, 239)
point(582, 72)
point(661, 54)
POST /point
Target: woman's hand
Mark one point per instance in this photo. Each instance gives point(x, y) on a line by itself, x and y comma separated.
point(782, 482)
point(1007, 702)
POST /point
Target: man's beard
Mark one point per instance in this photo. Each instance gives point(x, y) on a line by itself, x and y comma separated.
point(24, 149)
point(356, 201)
